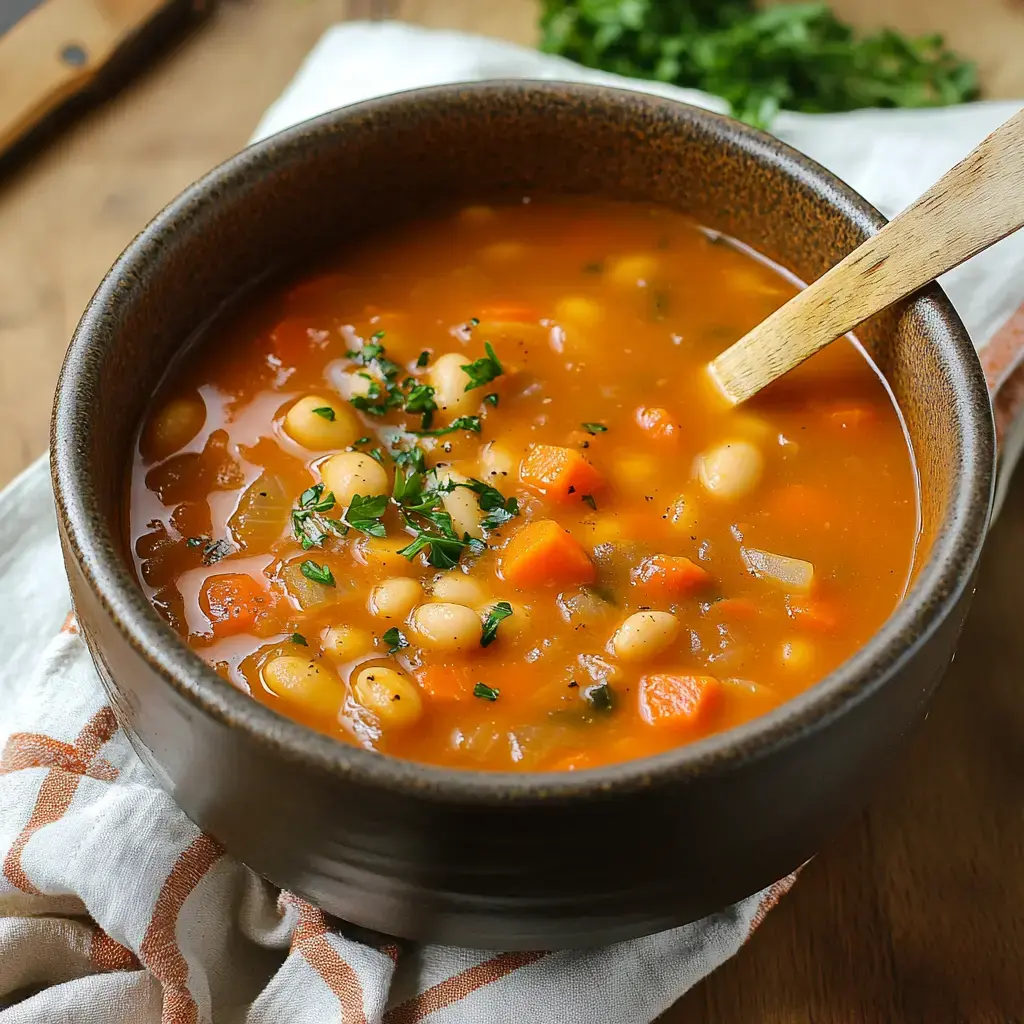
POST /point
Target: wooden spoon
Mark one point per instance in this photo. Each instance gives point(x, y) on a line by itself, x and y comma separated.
point(973, 206)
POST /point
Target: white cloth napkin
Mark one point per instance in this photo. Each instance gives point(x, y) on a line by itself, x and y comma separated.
point(115, 908)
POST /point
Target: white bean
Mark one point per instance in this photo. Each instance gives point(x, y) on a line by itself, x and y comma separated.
point(301, 681)
point(497, 463)
point(731, 470)
point(334, 426)
point(446, 626)
point(389, 695)
point(395, 598)
point(174, 426)
point(381, 554)
point(462, 505)
point(449, 381)
point(797, 655)
point(346, 643)
point(644, 635)
point(632, 271)
point(350, 473)
point(513, 625)
point(456, 587)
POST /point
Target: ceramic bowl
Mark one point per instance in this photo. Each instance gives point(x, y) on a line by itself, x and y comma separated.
point(484, 859)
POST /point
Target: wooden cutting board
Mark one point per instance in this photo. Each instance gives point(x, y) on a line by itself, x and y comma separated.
point(58, 55)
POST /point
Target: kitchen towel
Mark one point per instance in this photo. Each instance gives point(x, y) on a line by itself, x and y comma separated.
point(115, 908)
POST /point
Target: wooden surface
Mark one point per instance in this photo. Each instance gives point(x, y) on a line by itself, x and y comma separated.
point(972, 206)
point(915, 913)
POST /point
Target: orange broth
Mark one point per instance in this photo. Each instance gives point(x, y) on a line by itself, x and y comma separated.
point(671, 568)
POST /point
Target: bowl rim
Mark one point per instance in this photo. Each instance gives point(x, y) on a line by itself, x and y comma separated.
point(936, 589)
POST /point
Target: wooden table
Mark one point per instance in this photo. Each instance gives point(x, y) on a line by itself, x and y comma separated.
point(916, 912)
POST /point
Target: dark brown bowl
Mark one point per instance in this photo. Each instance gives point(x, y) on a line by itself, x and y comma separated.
point(472, 858)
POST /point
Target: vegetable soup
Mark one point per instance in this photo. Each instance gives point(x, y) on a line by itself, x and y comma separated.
point(465, 494)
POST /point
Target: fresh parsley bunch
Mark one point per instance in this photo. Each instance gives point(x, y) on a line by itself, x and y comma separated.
point(787, 56)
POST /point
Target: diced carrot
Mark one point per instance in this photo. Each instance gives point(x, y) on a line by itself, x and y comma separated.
point(445, 682)
point(659, 424)
point(672, 700)
point(801, 502)
point(816, 613)
point(669, 576)
point(739, 609)
point(560, 474)
point(232, 601)
point(541, 553)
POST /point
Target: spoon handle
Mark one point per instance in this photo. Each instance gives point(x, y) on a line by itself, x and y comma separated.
point(972, 206)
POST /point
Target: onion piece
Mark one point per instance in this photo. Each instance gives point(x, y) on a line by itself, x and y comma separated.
point(262, 513)
point(791, 574)
point(306, 592)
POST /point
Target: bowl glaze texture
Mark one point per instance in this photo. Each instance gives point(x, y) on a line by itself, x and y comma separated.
point(491, 859)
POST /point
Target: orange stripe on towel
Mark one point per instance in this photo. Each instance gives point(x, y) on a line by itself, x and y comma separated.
point(68, 763)
point(460, 985)
point(159, 950)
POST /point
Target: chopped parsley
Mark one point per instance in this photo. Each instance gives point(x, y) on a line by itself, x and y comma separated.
point(594, 428)
point(491, 399)
point(318, 573)
point(213, 550)
point(499, 509)
point(395, 639)
point(310, 527)
point(325, 411)
point(502, 610)
point(298, 638)
point(483, 370)
point(459, 423)
point(588, 499)
point(424, 358)
point(485, 692)
point(421, 509)
point(420, 399)
point(364, 514)
point(474, 321)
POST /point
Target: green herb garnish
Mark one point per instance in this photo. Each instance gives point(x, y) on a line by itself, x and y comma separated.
point(364, 514)
point(485, 692)
point(483, 370)
point(395, 639)
point(317, 573)
point(588, 499)
point(326, 411)
point(424, 358)
point(215, 550)
point(459, 423)
point(499, 509)
point(594, 428)
point(491, 399)
point(298, 638)
point(786, 56)
point(474, 321)
point(420, 399)
point(310, 527)
point(600, 697)
point(502, 610)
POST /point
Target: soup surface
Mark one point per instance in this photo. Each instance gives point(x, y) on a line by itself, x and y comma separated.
point(465, 496)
